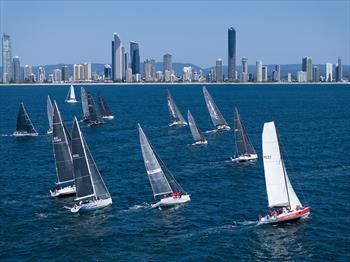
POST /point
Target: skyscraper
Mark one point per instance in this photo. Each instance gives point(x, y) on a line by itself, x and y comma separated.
point(329, 72)
point(259, 75)
point(245, 74)
point(64, 73)
point(107, 72)
point(147, 70)
point(87, 72)
point(27, 72)
point(117, 56)
point(276, 74)
point(339, 71)
point(219, 69)
point(6, 58)
point(123, 64)
point(41, 74)
point(57, 75)
point(307, 67)
point(76, 72)
point(231, 54)
point(315, 74)
point(167, 63)
point(135, 58)
point(16, 70)
point(264, 73)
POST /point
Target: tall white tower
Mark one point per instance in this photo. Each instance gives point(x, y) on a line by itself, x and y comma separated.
point(117, 56)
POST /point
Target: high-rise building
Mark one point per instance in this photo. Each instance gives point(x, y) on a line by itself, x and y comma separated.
point(135, 58)
point(76, 72)
point(231, 54)
point(117, 57)
point(187, 74)
point(329, 72)
point(27, 72)
point(57, 75)
point(6, 59)
point(107, 72)
point(307, 67)
point(147, 68)
point(339, 71)
point(302, 76)
point(41, 74)
point(167, 63)
point(276, 74)
point(16, 70)
point(87, 72)
point(128, 75)
point(289, 77)
point(125, 63)
point(264, 73)
point(81, 72)
point(259, 75)
point(315, 74)
point(219, 69)
point(64, 73)
point(245, 73)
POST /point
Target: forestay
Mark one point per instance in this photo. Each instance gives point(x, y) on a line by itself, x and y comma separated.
point(214, 112)
point(174, 112)
point(276, 176)
point(243, 144)
point(61, 146)
point(196, 133)
point(24, 124)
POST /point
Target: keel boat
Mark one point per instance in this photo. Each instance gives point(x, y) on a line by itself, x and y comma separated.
point(61, 142)
point(91, 191)
point(282, 198)
point(49, 108)
point(166, 190)
point(104, 109)
point(71, 96)
point(216, 117)
point(24, 125)
point(197, 135)
point(244, 149)
point(176, 118)
point(90, 113)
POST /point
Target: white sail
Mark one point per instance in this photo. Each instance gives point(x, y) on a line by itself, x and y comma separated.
point(276, 177)
point(71, 95)
point(214, 111)
point(49, 108)
point(174, 111)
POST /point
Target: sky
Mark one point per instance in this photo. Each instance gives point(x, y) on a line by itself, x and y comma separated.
point(193, 31)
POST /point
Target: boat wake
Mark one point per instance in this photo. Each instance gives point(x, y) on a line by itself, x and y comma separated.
point(246, 223)
point(5, 135)
point(211, 131)
point(137, 207)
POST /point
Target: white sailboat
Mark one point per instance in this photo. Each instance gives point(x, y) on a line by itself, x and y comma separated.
point(244, 148)
point(61, 141)
point(176, 117)
point(49, 108)
point(166, 190)
point(91, 191)
point(281, 195)
point(24, 125)
point(71, 95)
point(198, 137)
point(216, 117)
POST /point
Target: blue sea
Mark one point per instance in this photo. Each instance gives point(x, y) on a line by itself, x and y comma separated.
point(220, 223)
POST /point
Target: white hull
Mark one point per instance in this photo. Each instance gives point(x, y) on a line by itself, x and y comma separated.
point(108, 117)
point(91, 205)
point(172, 201)
point(65, 191)
point(71, 101)
point(49, 131)
point(285, 216)
point(245, 158)
point(178, 123)
point(198, 143)
point(223, 128)
point(23, 134)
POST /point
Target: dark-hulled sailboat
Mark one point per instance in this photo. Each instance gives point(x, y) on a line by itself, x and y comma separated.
point(244, 148)
point(176, 118)
point(166, 190)
point(91, 191)
point(216, 117)
point(61, 141)
point(24, 124)
point(104, 109)
point(197, 135)
point(90, 113)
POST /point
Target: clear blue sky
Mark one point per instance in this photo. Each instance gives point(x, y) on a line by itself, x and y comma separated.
point(49, 32)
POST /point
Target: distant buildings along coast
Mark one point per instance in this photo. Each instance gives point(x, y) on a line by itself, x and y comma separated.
point(126, 67)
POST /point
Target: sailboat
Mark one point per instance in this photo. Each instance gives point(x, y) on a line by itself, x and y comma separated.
point(49, 108)
point(91, 191)
point(61, 141)
point(90, 112)
point(174, 112)
point(104, 109)
point(244, 148)
point(24, 124)
point(71, 95)
point(196, 133)
point(216, 117)
point(280, 193)
point(166, 190)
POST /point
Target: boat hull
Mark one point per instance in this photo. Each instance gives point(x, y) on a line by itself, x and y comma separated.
point(198, 143)
point(92, 205)
point(96, 123)
point(49, 131)
point(24, 134)
point(245, 158)
point(223, 128)
point(171, 201)
point(71, 101)
point(63, 192)
point(286, 216)
point(108, 117)
point(178, 124)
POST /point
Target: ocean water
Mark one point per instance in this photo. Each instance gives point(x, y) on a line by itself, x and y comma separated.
point(220, 223)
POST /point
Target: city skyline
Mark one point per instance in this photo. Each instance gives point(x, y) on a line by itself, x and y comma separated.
point(154, 43)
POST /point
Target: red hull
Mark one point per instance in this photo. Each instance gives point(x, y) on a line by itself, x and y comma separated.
point(294, 215)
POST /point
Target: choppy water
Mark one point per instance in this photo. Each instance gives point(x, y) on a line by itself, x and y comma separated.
point(220, 223)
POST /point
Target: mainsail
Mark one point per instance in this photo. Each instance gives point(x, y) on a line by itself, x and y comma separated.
point(280, 192)
point(24, 124)
point(243, 144)
point(88, 180)
point(174, 111)
point(196, 133)
point(61, 141)
point(84, 103)
point(214, 112)
point(49, 108)
point(94, 115)
point(71, 94)
point(162, 182)
point(104, 109)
